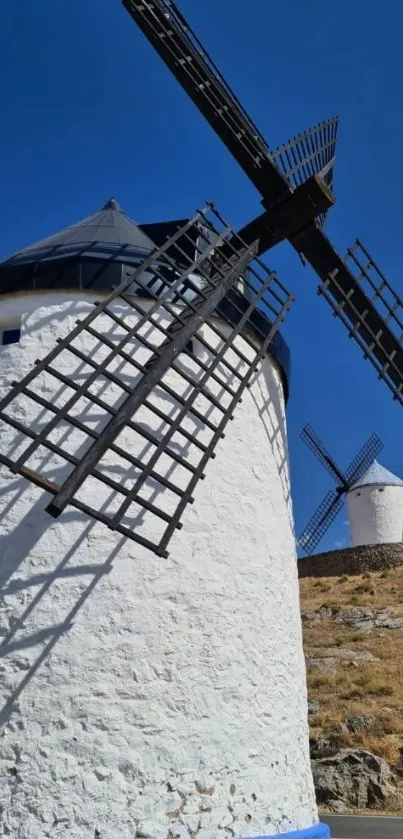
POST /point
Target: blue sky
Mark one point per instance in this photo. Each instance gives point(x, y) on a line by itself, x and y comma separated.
point(89, 111)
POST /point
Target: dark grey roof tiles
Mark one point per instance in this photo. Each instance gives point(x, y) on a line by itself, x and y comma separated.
point(100, 235)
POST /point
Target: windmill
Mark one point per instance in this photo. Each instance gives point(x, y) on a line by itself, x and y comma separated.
point(333, 501)
point(183, 679)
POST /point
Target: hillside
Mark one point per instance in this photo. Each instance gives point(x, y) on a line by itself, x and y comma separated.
point(353, 642)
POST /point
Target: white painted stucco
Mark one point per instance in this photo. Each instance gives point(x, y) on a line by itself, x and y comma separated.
point(375, 514)
point(143, 696)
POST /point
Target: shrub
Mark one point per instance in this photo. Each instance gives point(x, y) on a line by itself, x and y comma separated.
point(386, 747)
point(314, 680)
point(355, 693)
point(364, 588)
point(356, 636)
point(374, 685)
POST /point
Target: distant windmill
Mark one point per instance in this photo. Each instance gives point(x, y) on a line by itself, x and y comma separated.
point(333, 501)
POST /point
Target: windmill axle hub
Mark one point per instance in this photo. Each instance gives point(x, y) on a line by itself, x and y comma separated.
point(289, 217)
point(306, 202)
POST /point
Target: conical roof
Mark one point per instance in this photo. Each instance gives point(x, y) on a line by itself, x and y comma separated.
point(100, 235)
point(376, 475)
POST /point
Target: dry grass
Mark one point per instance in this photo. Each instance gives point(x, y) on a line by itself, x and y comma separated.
point(370, 688)
point(387, 586)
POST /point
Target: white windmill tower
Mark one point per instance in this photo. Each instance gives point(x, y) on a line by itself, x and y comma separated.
point(144, 693)
point(375, 507)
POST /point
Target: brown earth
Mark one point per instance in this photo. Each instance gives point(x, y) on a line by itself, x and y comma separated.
point(353, 642)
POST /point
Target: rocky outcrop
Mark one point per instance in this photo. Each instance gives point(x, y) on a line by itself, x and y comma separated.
point(356, 560)
point(369, 619)
point(330, 657)
point(354, 616)
point(352, 778)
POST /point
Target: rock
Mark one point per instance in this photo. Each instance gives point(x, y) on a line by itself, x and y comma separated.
point(338, 807)
point(338, 738)
point(365, 655)
point(356, 722)
point(340, 730)
point(366, 619)
point(363, 619)
point(320, 663)
point(392, 623)
point(320, 748)
point(352, 778)
point(356, 655)
point(334, 655)
point(358, 618)
point(313, 708)
point(318, 615)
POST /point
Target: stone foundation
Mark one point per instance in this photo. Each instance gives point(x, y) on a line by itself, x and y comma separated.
point(356, 560)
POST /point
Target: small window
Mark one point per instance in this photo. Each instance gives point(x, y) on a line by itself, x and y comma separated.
point(189, 348)
point(358, 493)
point(10, 336)
point(381, 489)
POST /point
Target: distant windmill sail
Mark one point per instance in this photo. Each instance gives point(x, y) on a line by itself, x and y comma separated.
point(321, 520)
point(333, 501)
point(138, 333)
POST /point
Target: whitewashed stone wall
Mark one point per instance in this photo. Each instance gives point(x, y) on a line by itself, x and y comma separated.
point(375, 514)
point(148, 697)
